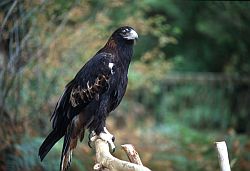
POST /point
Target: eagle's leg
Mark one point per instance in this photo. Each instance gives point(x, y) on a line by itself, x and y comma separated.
point(105, 136)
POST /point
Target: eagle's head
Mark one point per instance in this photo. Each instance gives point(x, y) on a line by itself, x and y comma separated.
point(125, 33)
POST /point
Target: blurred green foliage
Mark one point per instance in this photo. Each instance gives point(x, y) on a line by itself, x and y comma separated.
point(188, 82)
point(212, 36)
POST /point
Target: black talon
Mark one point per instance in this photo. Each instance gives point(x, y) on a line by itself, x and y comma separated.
point(89, 142)
point(89, 136)
point(113, 150)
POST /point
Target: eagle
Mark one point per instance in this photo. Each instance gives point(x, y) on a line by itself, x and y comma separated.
point(96, 90)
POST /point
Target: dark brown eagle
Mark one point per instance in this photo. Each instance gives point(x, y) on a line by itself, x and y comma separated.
point(87, 100)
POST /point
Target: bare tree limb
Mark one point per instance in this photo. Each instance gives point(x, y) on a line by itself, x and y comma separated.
point(106, 160)
point(133, 156)
point(223, 156)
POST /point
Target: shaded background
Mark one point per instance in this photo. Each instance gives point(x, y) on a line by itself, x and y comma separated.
point(189, 81)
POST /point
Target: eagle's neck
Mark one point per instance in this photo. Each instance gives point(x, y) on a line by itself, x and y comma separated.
point(125, 53)
point(121, 49)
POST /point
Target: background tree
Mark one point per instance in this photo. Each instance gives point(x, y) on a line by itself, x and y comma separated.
point(188, 82)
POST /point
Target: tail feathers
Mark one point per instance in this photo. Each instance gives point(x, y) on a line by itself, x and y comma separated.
point(48, 143)
point(66, 155)
point(66, 160)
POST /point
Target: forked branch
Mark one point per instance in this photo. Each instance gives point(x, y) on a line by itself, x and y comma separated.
point(106, 161)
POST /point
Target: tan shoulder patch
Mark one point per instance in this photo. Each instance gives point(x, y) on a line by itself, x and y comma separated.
point(82, 95)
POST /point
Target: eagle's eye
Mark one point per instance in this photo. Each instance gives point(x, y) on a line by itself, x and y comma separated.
point(125, 31)
point(129, 34)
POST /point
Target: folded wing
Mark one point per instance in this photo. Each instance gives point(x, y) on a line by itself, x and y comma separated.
point(89, 83)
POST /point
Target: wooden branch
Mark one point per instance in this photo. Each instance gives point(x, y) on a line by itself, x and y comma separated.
point(223, 156)
point(133, 156)
point(106, 161)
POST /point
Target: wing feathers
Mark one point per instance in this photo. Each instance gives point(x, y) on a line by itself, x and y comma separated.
point(83, 95)
point(49, 142)
point(89, 83)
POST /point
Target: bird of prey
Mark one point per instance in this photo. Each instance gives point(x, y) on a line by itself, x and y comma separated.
point(87, 100)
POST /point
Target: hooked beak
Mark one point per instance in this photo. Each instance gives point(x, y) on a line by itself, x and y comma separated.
point(132, 35)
